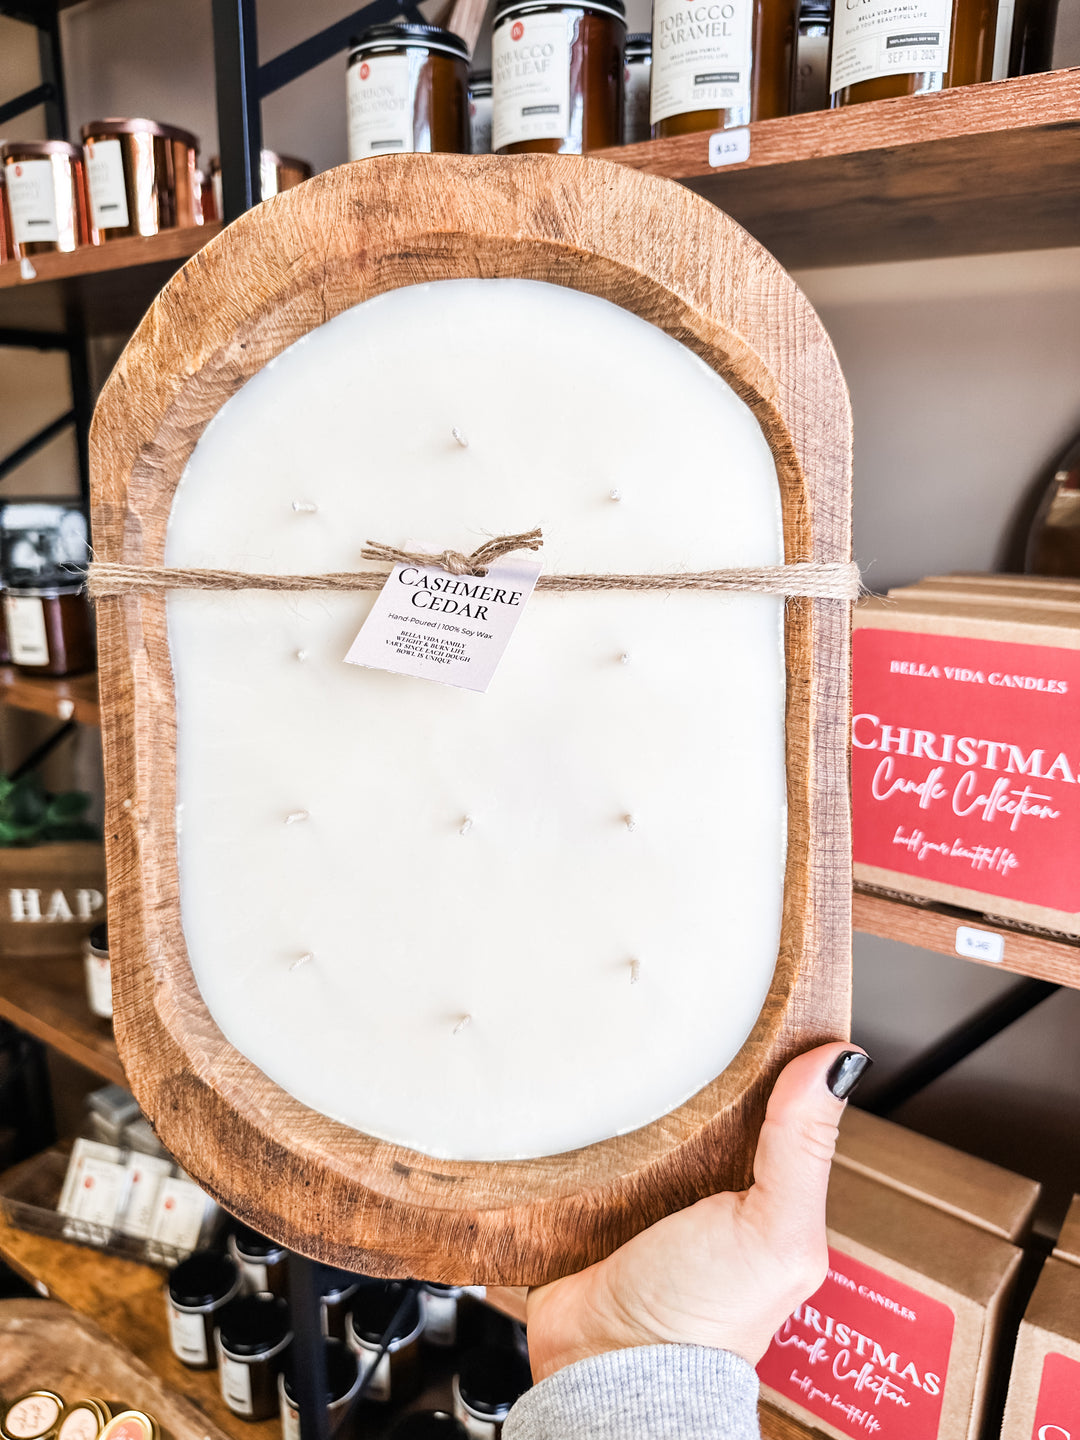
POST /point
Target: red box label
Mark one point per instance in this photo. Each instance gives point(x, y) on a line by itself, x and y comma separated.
point(867, 1353)
point(1057, 1411)
point(964, 763)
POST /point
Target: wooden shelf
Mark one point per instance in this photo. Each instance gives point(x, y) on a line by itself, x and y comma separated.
point(977, 169)
point(934, 928)
point(46, 997)
point(126, 1301)
point(109, 286)
point(74, 699)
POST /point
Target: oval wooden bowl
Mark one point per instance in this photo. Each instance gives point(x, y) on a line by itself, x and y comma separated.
point(286, 267)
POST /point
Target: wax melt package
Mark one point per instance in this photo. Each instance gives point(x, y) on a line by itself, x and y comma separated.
point(965, 763)
point(974, 1190)
point(1068, 1245)
point(1044, 1387)
point(898, 1343)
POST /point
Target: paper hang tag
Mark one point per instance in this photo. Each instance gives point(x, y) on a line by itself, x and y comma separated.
point(451, 628)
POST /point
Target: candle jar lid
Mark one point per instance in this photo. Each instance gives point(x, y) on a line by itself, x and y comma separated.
point(83, 1420)
point(375, 1307)
point(639, 46)
point(333, 1284)
point(452, 1291)
point(121, 125)
point(131, 1425)
point(489, 1380)
point(402, 35)
point(203, 1280)
point(44, 545)
point(254, 1327)
point(429, 1425)
point(522, 7)
point(248, 1244)
point(342, 1374)
point(98, 940)
point(32, 1415)
point(27, 149)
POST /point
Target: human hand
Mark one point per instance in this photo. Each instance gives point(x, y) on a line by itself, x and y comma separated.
point(729, 1270)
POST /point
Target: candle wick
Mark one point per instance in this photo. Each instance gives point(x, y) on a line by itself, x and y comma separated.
point(460, 437)
point(296, 815)
point(461, 1024)
point(466, 825)
point(301, 655)
point(624, 658)
point(616, 495)
point(635, 971)
point(302, 959)
point(630, 822)
point(305, 507)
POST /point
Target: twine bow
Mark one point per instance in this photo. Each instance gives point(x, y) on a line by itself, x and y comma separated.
point(454, 561)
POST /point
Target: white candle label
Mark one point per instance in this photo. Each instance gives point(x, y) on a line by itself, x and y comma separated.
point(235, 1384)
point(980, 944)
point(440, 1319)
point(27, 639)
point(380, 106)
point(701, 56)
point(451, 628)
point(1003, 39)
point(187, 1334)
point(32, 200)
point(378, 1387)
point(99, 985)
point(105, 179)
point(290, 1421)
point(636, 122)
point(872, 38)
point(530, 78)
point(480, 116)
point(729, 147)
point(255, 1281)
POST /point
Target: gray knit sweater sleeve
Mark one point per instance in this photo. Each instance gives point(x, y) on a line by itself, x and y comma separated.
point(654, 1392)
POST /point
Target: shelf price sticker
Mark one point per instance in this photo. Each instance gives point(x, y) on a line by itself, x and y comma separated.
point(983, 945)
point(729, 147)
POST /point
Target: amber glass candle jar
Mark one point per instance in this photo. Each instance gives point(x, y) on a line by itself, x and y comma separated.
point(44, 196)
point(557, 76)
point(263, 1264)
point(480, 111)
point(878, 54)
point(637, 78)
point(140, 175)
point(342, 1383)
point(720, 64)
point(396, 1376)
point(44, 551)
point(408, 88)
point(252, 1337)
point(1031, 45)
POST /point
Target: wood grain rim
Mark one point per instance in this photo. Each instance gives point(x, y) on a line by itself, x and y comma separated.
point(284, 268)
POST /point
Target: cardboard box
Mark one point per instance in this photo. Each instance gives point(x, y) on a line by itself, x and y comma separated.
point(1044, 1388)
point(897, 1343)
point(966, 754)
point(1068, 1245)
point(962, 1185)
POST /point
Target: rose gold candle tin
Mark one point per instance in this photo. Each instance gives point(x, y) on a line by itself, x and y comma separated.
point(140, 177)
point(44, 197)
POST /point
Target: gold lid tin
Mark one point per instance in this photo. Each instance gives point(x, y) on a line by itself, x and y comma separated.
point(83, 1420)
point(33, 1415)
point(131, 1425)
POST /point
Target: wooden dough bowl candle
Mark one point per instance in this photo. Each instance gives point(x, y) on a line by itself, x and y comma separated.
point(475, 986)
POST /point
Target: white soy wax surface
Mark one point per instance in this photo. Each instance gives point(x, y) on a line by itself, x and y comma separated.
point(586, 861)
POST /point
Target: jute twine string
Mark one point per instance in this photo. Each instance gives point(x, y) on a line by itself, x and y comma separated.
point(803, 580)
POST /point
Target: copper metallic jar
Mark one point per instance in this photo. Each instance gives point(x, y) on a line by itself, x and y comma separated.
point(877, 56)
point(557, 76)
point(276, 173)
point(207, 211)
point(719, 64)
point(44, 197)
point(408, 89)
point(140, 176)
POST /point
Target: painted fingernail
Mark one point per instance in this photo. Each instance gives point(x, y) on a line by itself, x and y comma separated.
point(846, 1071)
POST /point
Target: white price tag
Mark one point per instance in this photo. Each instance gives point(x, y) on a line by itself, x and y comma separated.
point(729, 147)
point(179, 1210)
point(980, 944)
point(451, 628)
